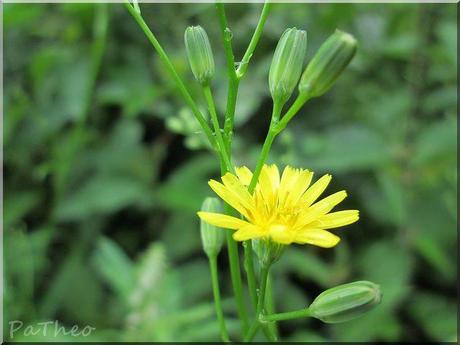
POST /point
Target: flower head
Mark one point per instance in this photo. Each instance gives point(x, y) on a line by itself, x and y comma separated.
point(282, 209)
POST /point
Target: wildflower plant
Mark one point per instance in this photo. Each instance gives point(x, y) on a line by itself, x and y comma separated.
point(267, 209)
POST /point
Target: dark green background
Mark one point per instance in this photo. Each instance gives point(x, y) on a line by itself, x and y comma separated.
point(102, 179)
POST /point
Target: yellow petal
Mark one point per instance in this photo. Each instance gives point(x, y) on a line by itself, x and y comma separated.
point(320, 208)
point(288, 178)
point(280, 234)
point(247, 233)
point(266, 186)
point(299, 187)
point(317, 237)
point(315, 190)
point(234, 185)
point(325, 205)
point(274, 174)
point(244, 174)
point(228, 197)
point(222, 220)
point(336, 219)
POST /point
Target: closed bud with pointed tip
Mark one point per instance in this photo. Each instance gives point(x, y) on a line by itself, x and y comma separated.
point(346, 302)
point(328, 63)
point(287, 64)
point(267, 252)
point(212, 237)
point(199, 54)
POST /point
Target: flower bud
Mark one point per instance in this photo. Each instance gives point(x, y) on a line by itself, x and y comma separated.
point(287, 64)
point(212, 237)
point(199, 54)
point(346, 302)
point(327, 64)
point(267, 251)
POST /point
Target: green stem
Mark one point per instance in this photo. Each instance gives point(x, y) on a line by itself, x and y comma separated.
point(226, 38)
point(260, 302)
point(294, 109)
point(249, 268)
point(230, 112)
point(235, 273)
point(248, 252)
point(254, 40)
point(215, 121)
point(217, 301)
point(233, 81)
point(252, 332)
point(233, 85)
point(286, 316)
point(136, 6)
point(172, 71)
point(276, 126)
point(235, 270)
point(270, 305)
point(232, 247)
point(271, 135)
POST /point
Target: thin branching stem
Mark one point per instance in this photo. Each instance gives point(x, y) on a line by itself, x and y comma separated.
point(233, 81)
point(286, 316)
point(215, 122)
point(172, 71)
point(217, 299)
point(243, 66)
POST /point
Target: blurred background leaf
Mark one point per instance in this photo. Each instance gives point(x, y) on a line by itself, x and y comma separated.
point(105, 169)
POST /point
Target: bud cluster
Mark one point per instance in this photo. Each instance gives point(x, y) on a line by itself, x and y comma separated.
point(320, 74)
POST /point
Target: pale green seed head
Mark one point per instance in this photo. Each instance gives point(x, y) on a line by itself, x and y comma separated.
point(346, 302)
point(212, 237)
point(330, 60)
point(199, 54)
point(287, 64)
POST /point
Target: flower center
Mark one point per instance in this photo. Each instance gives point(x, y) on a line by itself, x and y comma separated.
point(280, 233)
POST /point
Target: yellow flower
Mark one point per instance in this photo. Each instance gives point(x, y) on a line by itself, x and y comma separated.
point(282, 210)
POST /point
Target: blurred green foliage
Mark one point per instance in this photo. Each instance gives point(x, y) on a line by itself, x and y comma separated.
point(105, 168)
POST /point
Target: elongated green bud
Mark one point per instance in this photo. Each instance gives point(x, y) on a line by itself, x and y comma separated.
point(287, 64)
point(199, 54)
point(212, 237)
point(346, 302)
point(327, 64)
point(267, 252)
